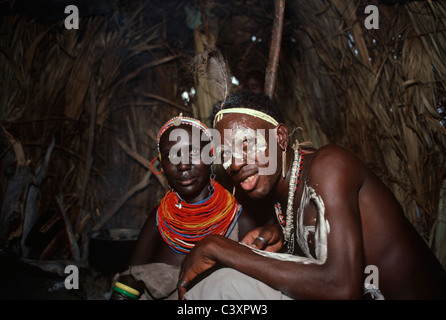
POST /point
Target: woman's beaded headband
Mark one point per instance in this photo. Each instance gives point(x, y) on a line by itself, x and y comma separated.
point(176, 121)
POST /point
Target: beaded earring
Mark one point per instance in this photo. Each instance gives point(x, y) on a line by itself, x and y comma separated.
point(151, 164)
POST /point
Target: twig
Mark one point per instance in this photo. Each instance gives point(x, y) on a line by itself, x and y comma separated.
point(131, 134)
point(70, 233)
point(143, 161)
point(135, 155)
point(169, 102)
point(16, 147)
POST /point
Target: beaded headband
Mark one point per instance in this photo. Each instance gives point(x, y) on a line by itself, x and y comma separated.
point(176, 121)
point(248, 111)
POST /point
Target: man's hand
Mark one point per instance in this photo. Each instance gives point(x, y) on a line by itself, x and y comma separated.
point(268, 238)
point(205, 253)
point(198, 260)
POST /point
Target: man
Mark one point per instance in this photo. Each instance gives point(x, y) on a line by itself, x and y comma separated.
point(254, 81)
point(339, 221)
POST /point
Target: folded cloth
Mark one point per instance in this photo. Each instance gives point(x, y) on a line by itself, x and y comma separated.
point(160, 280)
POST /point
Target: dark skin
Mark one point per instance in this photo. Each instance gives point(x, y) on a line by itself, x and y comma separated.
point(255, 81)
point(191, 181)
point(367, 227)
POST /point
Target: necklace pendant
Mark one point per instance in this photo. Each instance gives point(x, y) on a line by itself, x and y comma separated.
point(178, 205)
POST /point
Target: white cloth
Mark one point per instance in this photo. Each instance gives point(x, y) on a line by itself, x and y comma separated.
point(230, 284)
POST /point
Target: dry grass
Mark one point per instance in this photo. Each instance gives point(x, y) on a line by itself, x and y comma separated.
point(375, 92)
point(372, 91)
point(120, 73)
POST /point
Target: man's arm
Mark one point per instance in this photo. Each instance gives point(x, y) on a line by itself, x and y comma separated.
point(339, 277)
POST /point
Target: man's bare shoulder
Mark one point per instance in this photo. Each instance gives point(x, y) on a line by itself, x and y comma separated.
point(333, 158)
point(330, 152)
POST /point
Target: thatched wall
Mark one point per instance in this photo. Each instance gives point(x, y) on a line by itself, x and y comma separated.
point(379, 93)
point(103, 91)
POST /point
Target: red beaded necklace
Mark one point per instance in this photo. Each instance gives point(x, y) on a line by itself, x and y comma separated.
point(182, 226)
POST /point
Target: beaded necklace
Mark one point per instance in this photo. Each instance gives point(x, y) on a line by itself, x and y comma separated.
point(287, 223)
point(181, 227)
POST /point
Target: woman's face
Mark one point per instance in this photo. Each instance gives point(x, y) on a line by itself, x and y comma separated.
point(182, 164)
point(249, 158)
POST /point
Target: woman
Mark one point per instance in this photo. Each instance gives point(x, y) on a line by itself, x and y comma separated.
point(195, 206)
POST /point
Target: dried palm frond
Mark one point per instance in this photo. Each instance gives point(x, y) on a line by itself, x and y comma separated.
point(50, 79)
point(212, 74)
point(376, 93)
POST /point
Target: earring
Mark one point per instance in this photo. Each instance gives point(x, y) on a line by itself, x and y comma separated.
point(283, 164)
point(151, 166)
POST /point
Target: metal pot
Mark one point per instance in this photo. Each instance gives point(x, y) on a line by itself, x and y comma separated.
point(110, 249)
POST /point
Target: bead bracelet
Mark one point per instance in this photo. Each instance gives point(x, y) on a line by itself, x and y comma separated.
point(126, 293)
point(127, 288)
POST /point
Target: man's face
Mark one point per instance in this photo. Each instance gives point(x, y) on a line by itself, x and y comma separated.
point(250, 158)
point(183, 167)
point(254, 85)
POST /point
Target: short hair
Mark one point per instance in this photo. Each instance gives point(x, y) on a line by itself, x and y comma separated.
point(247, 99)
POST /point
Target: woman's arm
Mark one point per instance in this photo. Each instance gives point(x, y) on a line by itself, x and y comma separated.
point(145, 247)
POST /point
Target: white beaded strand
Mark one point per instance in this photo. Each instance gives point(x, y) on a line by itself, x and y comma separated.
point(289, 227)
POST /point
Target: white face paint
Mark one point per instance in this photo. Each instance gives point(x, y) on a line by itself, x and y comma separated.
point(225, 154)
point(248, 145)
point(242, 145)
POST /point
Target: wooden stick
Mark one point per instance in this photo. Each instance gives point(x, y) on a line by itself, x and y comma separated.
point(143, 161)
point(70, 233)
point(274, 51)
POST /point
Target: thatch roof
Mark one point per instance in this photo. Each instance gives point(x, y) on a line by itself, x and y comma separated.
point(102, 91)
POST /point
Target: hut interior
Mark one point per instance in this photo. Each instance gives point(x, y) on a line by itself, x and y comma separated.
point(80, 109)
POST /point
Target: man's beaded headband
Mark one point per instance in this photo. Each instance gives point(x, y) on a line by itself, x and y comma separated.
point(248, 111)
